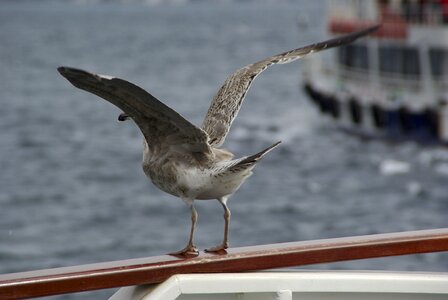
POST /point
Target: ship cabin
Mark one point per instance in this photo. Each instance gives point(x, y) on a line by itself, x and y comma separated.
point(393, 83)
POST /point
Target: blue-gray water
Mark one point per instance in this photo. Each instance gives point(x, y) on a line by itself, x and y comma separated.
point(71, 187)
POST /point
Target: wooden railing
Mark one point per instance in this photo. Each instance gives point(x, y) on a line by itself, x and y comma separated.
point(159, 268)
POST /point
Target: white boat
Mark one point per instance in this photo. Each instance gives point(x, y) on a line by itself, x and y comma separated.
point(304, 285)
point(393, 83)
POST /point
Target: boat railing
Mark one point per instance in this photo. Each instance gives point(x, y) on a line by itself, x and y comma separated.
point(441, 84)
point(159, 268)
point(353, 73)
point(409, 83)
point(426, 13)
point(404, 82)
point(415, 12)
point(390, 80)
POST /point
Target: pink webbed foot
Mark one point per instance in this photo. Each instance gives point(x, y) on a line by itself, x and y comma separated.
point(188, 251)
point(220, 249)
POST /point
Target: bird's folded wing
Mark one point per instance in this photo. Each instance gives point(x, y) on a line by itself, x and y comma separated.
point(159, 124)
point(227, 101)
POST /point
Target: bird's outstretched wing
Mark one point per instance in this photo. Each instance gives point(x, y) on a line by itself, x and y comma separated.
point(227, 101)
point(160, 125)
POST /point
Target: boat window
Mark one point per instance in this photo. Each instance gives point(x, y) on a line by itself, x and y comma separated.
point(399, 60)
point(439, 62)
point(413, 11)
point(354, 56)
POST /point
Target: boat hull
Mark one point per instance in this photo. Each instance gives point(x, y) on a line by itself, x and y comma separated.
point(371, 120)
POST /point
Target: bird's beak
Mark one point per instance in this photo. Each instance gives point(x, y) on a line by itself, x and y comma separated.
point(123, 117)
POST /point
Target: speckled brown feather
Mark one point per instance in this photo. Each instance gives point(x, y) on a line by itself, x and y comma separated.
point(227, 101)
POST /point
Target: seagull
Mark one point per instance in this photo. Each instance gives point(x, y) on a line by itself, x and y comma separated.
point(181, 158)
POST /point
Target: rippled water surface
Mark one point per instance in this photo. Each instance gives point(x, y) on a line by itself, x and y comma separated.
point(71, 187)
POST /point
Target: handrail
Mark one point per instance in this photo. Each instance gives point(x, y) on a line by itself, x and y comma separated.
point(159, 268)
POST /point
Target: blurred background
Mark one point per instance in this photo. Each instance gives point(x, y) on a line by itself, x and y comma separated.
point(72, 190)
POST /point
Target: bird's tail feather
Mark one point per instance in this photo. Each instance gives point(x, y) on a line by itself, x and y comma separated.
point(256, 157)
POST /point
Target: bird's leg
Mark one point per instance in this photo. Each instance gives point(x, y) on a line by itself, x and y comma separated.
point(190, 249)
point(225, 242)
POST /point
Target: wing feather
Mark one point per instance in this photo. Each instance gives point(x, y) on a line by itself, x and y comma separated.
point(159, 124)
point(227, 101)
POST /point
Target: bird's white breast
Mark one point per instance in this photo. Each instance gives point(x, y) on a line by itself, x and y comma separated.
point(190, 182)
